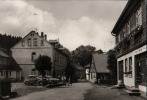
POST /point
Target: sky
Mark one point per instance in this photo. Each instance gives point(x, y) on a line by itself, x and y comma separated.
point(74, 22)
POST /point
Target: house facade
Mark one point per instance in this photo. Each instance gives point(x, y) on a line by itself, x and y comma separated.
point(98, 69)
point(8, 67)
point(87, 71)
point(130, 32)
point(26, 51)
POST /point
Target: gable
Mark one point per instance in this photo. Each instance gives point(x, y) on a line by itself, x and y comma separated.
point(32, 40)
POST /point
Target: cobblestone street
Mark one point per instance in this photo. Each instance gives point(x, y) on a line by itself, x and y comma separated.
point(106, 93)
point(78, 91)
point(74, 92)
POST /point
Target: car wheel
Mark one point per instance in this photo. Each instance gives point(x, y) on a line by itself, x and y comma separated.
point(26, 83)
point(40, 83)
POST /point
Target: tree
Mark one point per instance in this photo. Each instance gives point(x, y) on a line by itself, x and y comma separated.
point(69, 70)
point(43, 63)
point(112, 63)
point(82, 55)
point(7, 41)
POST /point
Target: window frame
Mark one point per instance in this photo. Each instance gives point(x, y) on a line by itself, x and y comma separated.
point(29, 42)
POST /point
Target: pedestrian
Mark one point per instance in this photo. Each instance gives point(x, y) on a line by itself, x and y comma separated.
point(99, 81)
point(64, 80)
point(70, 82)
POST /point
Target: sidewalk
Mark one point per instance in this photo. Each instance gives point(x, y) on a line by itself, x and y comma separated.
point(100, 92)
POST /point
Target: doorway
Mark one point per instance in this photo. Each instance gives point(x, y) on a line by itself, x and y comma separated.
point(120, 68)
point(141, 69)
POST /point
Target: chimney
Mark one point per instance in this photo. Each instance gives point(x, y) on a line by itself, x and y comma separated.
point(45, 37)
point(42, 34)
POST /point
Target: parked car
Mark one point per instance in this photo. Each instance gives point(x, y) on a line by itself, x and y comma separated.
point(31, 80)
point(47, 80)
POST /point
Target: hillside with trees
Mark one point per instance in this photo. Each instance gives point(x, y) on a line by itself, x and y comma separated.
point(7, 41)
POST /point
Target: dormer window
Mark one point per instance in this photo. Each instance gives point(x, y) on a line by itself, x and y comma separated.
point(35, 41)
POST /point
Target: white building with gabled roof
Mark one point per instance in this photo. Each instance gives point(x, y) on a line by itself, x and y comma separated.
point(26, 51)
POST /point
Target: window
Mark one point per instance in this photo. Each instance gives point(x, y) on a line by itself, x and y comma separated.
point(138, 16)
point(121, 36)
point(132, 22)
point(128, 28)
point(126, 65)
point(22, 43)
point(4, 73)
point(29, 42)
point(35, 42)
point(33, 56)
point(1, 73)
point(130, 66)
point(10, 72)
point(42, 43)
point(32, 34)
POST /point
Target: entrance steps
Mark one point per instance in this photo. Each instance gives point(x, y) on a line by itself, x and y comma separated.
point(133, 91)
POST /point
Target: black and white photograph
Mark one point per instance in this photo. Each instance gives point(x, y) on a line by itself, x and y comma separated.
point(73, 49)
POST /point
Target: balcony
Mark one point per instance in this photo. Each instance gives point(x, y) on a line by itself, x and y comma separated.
point(131, 41)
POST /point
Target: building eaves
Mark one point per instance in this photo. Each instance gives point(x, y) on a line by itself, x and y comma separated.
point(124, 15)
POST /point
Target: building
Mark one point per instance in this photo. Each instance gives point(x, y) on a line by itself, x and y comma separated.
point(98, 68)
point(130, 32)
point(26, 51)
point(8, 67)
point(87, 71)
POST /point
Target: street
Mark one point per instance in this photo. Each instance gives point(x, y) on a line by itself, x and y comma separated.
point(74, 92)
point(101, 92)
point(78, 91)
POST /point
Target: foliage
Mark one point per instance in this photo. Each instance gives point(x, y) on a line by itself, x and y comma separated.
point(69, 70)
point(82, 55)
point(7, 41)
point(43, 63)
point(112, 61)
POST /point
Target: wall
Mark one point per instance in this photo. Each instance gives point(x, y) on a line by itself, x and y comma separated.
point(130, 81)
point(23, 54)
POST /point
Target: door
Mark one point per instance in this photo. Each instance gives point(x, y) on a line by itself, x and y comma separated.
point(141, 69)
point(138, 73)
point(120, 68)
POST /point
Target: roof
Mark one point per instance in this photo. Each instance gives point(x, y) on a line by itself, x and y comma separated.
point(125, 14)
point(12, 66)
point(28, 35)
point(3, 54)
point(100, 62)
point(77, 66)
